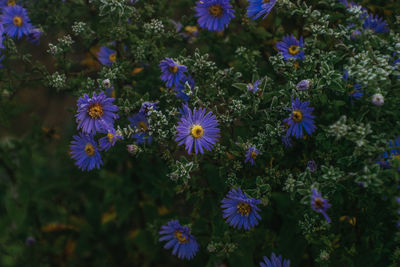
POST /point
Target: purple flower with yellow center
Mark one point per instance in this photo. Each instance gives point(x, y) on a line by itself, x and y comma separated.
point(141, 124)
point(197, 129)
point(4, 3)
point(108, 141)
point(239, 210)
point(96, 113)
point(376, 24)
point(393, 153)
point(300, 119)
point(214, 15)
point(253, 87)
point(251, 155)
point(320, 204)
point(107, 56)
point(84, 152)
point(349, 4)
point(179, 238)
point(15, 21)
point(181, 88)
point(356, 90)
point(171, 72)
point(274, 261)
point(258, 8)
point(290, 47)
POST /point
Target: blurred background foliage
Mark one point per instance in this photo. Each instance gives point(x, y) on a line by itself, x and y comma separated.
point(53, 214)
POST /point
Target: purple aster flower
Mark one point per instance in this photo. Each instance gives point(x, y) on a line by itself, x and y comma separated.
point(253, 87)
point(394, 152)
point(107, 56)
point(84, 152)
point(303, 85)
point(251, 155)
point(239, 210)
point(376, 24)
point(181, 88)
point(147, 106)
point(1, 36)
point(179, 238)
point(197, 129)
point(320, 204)
point(106, 142)
point(96, 113)
point(274, 261)
point(4, 3)
point(34, 36)
point(312, 166)
point(171, 72)
point(290, 47)
point(300, 118)
point(141, 124)
point(214, 15)
point(16, 21)
point(258, 8)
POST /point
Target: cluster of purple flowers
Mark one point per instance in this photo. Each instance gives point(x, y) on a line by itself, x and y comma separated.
point(370, 21)
point(95, 114)
point(140, 123)
point(176, 76)
point(15, 23)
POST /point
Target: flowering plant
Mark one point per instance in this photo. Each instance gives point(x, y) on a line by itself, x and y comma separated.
point(199, 133)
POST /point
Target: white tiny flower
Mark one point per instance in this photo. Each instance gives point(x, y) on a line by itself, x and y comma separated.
point(378, 100)
point(106, 83)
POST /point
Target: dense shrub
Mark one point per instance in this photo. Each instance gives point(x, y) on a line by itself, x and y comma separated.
point(223, 131)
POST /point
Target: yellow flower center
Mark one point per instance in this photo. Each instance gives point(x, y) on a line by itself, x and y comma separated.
point(397, 157)
point(197, 131)
point(11, 3)
point(89, 150)
point(253, 154)
point(191, 29)
point(142, 126)
point(296, 65)
point(297, 116)
point(95, 111)
point(350, 85)
point(112, 57)
point(181, 238)
point(110, 137)
point(243, 208)
point(294, 50)
point(265, 1)
point(173, 69)
point(216, 11)
point(17, 20)
point(319, 204)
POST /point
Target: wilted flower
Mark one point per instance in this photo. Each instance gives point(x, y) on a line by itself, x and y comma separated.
point(251, 155)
